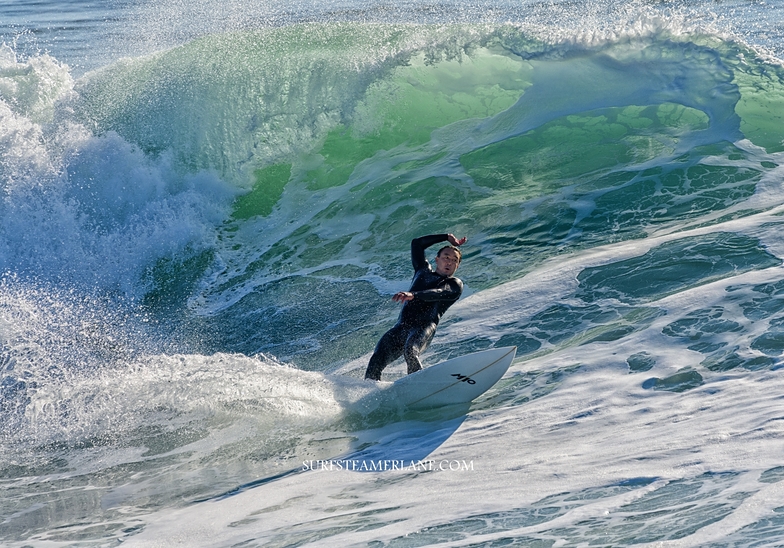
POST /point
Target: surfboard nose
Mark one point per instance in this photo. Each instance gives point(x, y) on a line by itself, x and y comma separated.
point(458, 380)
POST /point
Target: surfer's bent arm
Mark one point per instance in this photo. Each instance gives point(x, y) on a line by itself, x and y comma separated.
point(449, 292)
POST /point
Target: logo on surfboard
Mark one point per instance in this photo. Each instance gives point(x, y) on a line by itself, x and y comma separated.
point(464, 378)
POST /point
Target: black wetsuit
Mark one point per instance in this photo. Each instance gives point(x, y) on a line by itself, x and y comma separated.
point(433, 294)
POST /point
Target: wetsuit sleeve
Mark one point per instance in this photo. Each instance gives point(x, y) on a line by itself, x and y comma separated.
point(418, 246)
point(451, 291)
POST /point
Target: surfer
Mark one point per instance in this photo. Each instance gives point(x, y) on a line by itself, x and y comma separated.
point(430, 294)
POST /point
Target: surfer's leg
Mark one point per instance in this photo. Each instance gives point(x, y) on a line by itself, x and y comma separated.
point(418, 340)
point(388, 349)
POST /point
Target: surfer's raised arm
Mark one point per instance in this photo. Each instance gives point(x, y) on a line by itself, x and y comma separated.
point(418, 246)
point(455, 241)
point(431, 293)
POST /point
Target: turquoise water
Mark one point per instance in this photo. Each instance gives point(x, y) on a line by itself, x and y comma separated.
point(203, 220)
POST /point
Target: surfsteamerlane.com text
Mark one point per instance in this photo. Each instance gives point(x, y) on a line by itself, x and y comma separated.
point(362, 465)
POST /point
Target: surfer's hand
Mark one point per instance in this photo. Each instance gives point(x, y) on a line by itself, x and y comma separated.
point(454, 241)
point(402, 297)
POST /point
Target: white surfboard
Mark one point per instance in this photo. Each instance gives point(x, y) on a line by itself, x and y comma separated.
point(459, 380)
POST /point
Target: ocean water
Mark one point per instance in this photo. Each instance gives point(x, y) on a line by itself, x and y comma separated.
point(205, 208)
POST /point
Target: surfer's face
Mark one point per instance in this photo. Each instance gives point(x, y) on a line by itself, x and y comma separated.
point(447, 262)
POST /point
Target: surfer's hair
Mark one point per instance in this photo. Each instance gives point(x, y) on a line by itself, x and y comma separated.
point(455, 249)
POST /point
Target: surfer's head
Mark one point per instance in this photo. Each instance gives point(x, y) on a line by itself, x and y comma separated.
point(447, 260)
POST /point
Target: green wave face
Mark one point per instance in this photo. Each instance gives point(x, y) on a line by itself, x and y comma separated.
point(345, 141)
